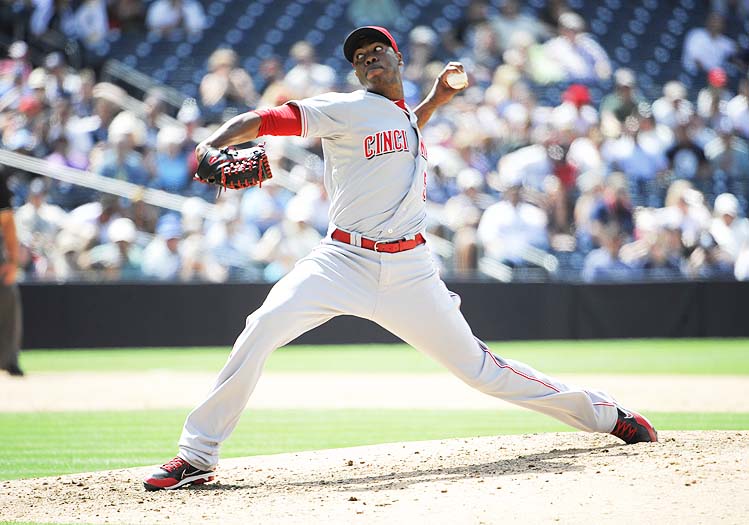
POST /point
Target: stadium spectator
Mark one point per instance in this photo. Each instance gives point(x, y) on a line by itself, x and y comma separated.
point(604, 264)
point(712, 99)
point(308, 77)
point(54, 16)
point(729, 155)
point(685, 208)
point(17, 64)
point(263, 208)
point(665, 258)
point(118, 259)
point(270, 72)
point(510, 227)
point(10, 301)
point(283, 244)
point(422, 43)
point(122, 162)
point(510, 21)
point(640, 152)
point(613, 206)
point(737, 109)
point(96, 216)
point(171, 161)
point(461, 35)
point(232, 241)
point(625, 99)
point(673, 108)
point(706, 48)
point(709, 261)
point(161, 258)
point(225, 83)
point(577, 52)
point(167, 17)
point(83, 98)
point(38, 223)
point(154, 107)
point(730, 232)
point(92, 22)
point(686, 158)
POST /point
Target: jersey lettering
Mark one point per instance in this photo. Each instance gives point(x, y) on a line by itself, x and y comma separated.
point(423, 149)
point(384, 142)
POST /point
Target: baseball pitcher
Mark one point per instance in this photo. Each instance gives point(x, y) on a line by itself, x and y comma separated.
point(374, 262)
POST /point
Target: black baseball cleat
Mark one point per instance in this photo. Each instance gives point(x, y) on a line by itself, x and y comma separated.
point(15, 370)
point(631, 428)
point(175, 474)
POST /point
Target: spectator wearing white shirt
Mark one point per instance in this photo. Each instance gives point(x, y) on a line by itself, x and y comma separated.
point(308, 77)
point(730, 231)
point(707, 47)
point(737, 109)
point(166, 16)
point(507, 229)
point(511, 21)
point(577, 52)
point(91, 22)
point(161, 258)
point(673, 107)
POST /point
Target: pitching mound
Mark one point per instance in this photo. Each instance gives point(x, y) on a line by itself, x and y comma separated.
point(689, 477)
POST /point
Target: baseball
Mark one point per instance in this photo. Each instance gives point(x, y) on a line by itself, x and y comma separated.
point(457, 80)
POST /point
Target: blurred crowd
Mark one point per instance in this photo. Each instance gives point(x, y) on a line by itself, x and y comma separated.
point(616, 188)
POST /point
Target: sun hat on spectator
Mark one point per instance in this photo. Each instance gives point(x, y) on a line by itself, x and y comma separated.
point(726, 204)
point(571, 21)
point(127, 124)
point(122, 230)
point(170, 136)
point(674, 90)
point(625, 77)
point(37, 79)
point(18, 49)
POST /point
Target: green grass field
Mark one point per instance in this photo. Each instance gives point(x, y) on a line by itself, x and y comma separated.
point(632, 356)
point(43, 444)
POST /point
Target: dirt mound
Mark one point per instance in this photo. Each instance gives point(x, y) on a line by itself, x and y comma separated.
point(689, 477)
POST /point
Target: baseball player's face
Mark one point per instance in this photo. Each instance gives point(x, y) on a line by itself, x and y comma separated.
point(377, 67)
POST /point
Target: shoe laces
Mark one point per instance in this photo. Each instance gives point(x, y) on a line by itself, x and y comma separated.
point(174, 464)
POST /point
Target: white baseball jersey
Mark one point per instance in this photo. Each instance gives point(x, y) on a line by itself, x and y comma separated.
point(375, 174)
point(375, 163)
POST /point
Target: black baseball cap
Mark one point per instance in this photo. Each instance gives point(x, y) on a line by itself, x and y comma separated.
point(374, 33)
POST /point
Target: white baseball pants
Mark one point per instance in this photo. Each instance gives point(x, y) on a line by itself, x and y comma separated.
point(403, 293)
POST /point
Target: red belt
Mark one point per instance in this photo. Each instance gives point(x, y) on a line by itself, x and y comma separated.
point(379, 246)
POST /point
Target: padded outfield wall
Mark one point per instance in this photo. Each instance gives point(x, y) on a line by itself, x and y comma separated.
point(129, 315)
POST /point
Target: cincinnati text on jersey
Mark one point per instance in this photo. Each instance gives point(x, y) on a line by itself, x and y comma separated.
point(384, 142)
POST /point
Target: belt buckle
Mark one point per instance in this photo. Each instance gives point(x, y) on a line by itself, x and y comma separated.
point(375, 246)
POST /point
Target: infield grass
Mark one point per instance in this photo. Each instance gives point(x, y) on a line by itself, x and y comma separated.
point(632, 356)
point(47, 444)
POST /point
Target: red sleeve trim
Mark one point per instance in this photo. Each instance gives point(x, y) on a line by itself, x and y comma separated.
point(282, 121)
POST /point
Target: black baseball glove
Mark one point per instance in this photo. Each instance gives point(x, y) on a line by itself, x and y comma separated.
point(235, 169)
